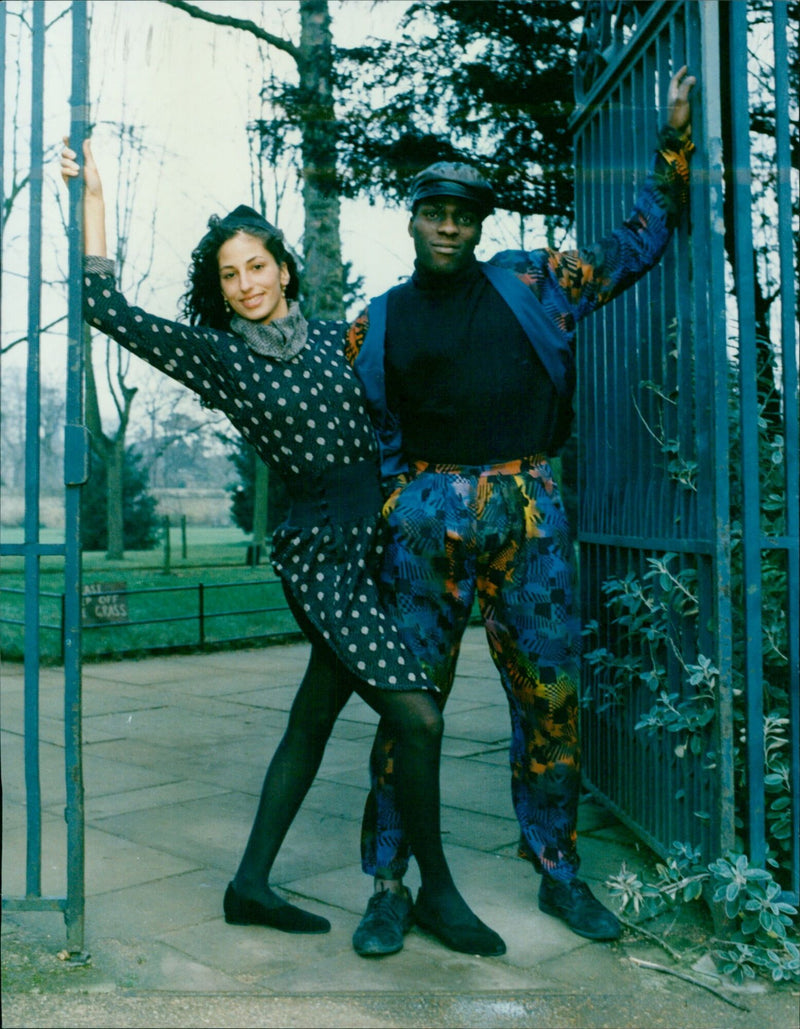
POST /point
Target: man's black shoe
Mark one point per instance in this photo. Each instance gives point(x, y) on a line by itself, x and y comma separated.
point(575, 904)
point(387, 919)
point(474, 937)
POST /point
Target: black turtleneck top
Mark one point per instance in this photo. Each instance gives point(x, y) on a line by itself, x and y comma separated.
point(461, 375)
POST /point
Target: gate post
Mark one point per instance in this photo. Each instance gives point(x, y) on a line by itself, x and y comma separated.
point(76, 472)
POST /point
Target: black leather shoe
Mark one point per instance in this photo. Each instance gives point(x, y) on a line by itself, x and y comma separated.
point(574, 903)
point(387, 919)
point(287, 918)
point(473, 938)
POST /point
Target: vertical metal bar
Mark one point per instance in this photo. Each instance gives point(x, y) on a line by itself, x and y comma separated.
point(790, 395)
point(696, 422)
point(709, 252)
point(201, 613)
point(698, 308)
point(75, 474)
point(2, 112)
point(32, 461)
point(693, 286)
point(748, 396)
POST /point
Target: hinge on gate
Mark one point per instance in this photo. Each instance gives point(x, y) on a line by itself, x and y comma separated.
point(76, 455)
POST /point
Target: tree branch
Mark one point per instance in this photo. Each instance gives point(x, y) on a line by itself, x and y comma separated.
point(237, 23)
point(24, 339)
point(688, 979)
point(636, 928)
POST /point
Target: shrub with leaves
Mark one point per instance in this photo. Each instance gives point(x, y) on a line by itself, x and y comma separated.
point(761, 935)
point(645, 610)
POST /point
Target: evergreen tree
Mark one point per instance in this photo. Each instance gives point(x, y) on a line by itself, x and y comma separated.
point(479, 80)
point(486, 81)
point(244, 458)
point(139, 521)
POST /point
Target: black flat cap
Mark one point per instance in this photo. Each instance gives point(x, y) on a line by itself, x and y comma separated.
point(453, 180)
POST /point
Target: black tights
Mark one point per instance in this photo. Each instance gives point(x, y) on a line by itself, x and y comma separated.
point(417, 726)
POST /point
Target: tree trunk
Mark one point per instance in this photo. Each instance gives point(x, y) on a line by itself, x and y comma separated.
point(767, 391)
point(115, 476)
point(323, 275)
point(111, 449)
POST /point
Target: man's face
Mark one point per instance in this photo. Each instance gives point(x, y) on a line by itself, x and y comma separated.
point(445, 231)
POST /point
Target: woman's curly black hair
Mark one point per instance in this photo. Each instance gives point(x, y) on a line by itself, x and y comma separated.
point(203, 303)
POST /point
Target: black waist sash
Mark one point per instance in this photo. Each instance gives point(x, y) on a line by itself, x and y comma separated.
point(341, 494)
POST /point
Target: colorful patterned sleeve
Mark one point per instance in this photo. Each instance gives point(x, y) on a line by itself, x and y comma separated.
point(675, 151)
point(573, 283)
point(355, 336)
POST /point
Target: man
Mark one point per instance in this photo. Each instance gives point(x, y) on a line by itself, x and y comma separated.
point(469, 373)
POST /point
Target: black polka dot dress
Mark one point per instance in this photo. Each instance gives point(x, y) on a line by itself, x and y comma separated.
point(306, 419)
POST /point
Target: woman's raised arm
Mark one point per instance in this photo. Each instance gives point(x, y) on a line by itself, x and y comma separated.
point(94, 210)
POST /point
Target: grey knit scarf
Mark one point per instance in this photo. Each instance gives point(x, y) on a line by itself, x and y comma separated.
point(280, 339)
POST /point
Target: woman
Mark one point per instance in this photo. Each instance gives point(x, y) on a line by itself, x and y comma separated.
point(284, 383)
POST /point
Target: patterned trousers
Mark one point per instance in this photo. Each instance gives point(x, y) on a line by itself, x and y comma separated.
point(500, 531)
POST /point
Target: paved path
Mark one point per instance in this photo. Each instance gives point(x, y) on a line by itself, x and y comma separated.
point(175, 751)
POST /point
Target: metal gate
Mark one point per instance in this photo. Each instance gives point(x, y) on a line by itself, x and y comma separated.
point(688, 446)
point(75, 474)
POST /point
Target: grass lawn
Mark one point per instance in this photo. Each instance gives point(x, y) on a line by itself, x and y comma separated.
point(204, 595)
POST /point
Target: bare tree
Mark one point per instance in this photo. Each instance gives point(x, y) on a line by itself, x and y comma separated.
point(12, 433)
point(176, 436)
point(12, 429)
point(313, 107)
point(16, 173)
point(313, 111)
point(109, 444)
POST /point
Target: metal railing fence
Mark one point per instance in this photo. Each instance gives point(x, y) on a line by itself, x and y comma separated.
point(203, 621)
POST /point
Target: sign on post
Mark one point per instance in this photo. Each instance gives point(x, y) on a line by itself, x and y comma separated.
point(105, 602)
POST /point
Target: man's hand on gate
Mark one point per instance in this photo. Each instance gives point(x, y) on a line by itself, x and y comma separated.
point(680, 109)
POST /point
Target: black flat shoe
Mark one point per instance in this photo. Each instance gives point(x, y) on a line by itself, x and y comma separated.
point(474, 938)
point(285, 917)
point(574, 903)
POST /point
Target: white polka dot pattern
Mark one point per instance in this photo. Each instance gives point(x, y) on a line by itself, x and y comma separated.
point(280, 408)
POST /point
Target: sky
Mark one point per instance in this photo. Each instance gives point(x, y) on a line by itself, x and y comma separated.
point(190, 88)
point(193, 87)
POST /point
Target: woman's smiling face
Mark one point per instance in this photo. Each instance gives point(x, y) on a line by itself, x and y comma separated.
point(251, 279)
